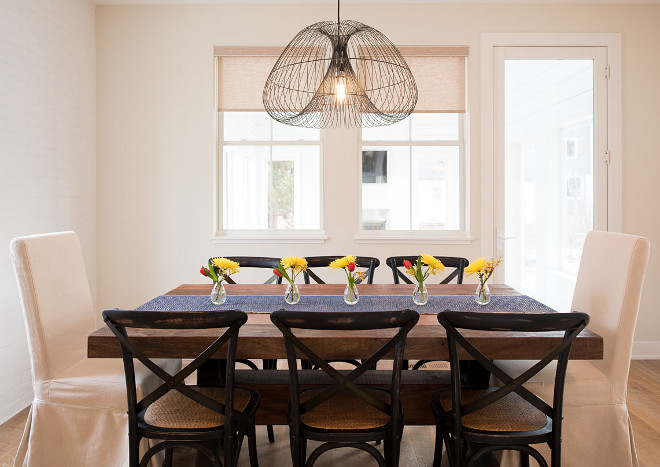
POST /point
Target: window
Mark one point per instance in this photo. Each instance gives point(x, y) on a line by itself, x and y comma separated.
point(412, 174)
point(269, 174)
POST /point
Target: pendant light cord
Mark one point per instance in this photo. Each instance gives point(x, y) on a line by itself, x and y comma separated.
point(337, 13)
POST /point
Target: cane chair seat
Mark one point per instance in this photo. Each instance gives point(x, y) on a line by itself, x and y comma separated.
point(511, 413)
point(174, 410)
point(344, 411)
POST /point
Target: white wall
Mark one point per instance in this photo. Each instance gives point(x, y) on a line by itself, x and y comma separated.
point(47, 152)
point(156, 133)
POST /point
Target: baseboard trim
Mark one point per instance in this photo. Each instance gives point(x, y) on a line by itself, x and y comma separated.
point(646, 350)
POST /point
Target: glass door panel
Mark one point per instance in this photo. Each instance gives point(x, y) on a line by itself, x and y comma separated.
point(547, 166)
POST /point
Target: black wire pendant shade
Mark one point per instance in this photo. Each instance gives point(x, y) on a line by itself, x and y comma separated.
point(340, 74)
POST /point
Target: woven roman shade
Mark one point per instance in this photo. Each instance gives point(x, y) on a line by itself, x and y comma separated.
point(438, 71)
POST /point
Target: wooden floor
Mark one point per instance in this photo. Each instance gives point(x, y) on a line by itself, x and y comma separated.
point(417, 447)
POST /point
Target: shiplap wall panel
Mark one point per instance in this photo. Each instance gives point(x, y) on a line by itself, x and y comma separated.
point(47, 152)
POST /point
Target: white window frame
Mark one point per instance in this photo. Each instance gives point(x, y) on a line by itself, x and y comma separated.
point(489, 236)
point(223, 235)
point(459, 236)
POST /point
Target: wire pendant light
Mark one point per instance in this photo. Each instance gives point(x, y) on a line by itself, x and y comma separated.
point(340, 74)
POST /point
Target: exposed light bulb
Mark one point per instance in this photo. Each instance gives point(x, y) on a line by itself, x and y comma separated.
point(340, 89)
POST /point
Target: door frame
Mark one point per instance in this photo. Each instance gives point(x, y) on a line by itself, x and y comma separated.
point(612, 41)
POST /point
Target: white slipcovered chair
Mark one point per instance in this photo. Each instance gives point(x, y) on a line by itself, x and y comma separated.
point(596, 430)
point(78, 415)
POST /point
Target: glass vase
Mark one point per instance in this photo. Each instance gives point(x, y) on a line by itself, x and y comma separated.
point(218, 294)
point(292, 295)
point(351, 295)
point(482, 294)
point(420, 295)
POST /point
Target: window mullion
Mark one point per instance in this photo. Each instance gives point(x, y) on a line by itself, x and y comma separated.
point(270, 177)
point(410, 175)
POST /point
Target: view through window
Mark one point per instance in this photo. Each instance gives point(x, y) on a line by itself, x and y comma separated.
point(271, 174)
point(412, 174)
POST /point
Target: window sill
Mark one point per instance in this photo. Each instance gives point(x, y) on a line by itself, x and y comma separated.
point(415, 239)
point(316, 237)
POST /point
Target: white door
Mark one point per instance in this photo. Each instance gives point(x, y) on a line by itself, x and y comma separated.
point(550, 164)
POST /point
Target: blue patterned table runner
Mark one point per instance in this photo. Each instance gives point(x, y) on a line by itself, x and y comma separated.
point(269, 303)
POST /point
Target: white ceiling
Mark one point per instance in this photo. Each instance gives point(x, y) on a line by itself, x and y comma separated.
point(318, 2)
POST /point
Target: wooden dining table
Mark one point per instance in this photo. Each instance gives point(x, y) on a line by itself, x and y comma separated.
point(260, 339)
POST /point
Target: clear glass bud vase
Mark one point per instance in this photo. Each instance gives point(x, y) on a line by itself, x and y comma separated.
point(482, 294)
point(420, 295)
point(351, 295)
point(292, 295)
point(218, 294)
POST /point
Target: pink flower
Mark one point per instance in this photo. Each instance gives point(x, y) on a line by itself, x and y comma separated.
point(407, 264)
point(351, 267)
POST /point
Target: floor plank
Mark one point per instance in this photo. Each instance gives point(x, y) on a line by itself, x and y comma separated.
point(417, 446)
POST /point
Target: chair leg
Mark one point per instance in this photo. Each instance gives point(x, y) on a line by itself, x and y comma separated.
point(134, 449)
point(555, 455)
point(229, 449)
point(169, 457)
point(303, 451)
point(395, 451)
point(457, 449)
point(437, 454)
point(271, 433)
point(524, 459)
point(294, 445)
point(252, 444)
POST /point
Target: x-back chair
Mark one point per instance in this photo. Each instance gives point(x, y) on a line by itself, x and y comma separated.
point(369, 263)
point(509, 417)
point(195, 417)
point(459, 265)
point(345, 414)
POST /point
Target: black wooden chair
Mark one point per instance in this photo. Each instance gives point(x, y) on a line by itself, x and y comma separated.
point(345, 414)
point(369, 263)
point(459, 265)
point(180, 415)
point(259, 262)
point(509, 417)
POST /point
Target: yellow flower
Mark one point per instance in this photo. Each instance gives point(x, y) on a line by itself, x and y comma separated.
point(476, 266)
point(294, 262)
point(434, 264)
point(226, 266)
point(342, 262)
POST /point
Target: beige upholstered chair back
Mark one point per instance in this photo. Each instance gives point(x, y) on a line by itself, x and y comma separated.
point(609, 287)
point(57, 305)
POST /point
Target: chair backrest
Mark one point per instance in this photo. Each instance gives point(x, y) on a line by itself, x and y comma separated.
point(459, 265)
point(570, 323)
point(56, 301)
point(368, 262)
point(609, 287)
point(261, 262)
point(345, 321)
point(120, 320)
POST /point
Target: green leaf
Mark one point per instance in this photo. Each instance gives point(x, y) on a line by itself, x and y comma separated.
point(418, 270)
point(211, 271)
point(283, 271)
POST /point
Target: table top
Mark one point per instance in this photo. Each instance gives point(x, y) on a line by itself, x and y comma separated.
point(259, 338)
